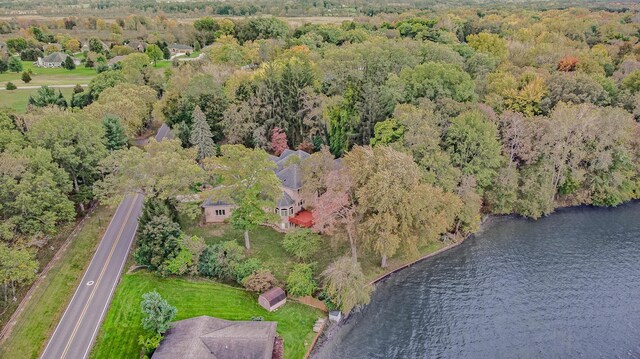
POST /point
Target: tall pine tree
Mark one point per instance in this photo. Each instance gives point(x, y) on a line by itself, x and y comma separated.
point(114, 133)
point(201, 136)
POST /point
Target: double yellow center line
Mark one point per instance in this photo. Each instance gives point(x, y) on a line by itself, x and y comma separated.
point(102, 272)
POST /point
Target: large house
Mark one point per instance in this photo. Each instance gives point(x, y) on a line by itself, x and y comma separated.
point(212, 338)
point(289, 207)
point(54, 60)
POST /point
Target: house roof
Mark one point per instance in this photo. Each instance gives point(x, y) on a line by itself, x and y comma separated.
point(212, 202)
point(303, 218)
point(115, 60)
point(55, 57)
point(212, 338)
point(137, 44)
point(285, 200)
point(180, 46)
point(291, 177)
point(274, 295)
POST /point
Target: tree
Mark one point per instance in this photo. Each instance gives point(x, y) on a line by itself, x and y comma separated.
point(158, 313)
point(301, 243)
point(343, 119)
point(105, 80)
point(278, 141)
point(394, 209)
point(3, 66)
point(632, 82)
point(386, 132)
point(488, 43)
point(131, 103)
point(434, 80)
point(247, 178)
point(346, 285)
point(76, 144)
point(162, 170)
point(18, 266)
point(14, 64)
point(201, 136)
point(158, 242)
point(46, 96)
point(472, 142)
point(26, 78)
point(300, 281)
point(260, 281)
point(33, 191)
point(221, 260)
point(68, 63)
point(95, 45)
point(154, 53)
point(10, 86)
point(114, 133)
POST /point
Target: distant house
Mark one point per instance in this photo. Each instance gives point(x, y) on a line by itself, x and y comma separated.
point(272, 299)
point(175, 49)
point(54, 60)
point(137, 45)
point(114, 60)
point(289, 207)
point(212, 338)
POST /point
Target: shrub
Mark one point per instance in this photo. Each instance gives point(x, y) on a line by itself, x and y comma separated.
point(11, 86)
point(149, 343)
point(158, 313)
point(300, 282)
point(246, 268)
point(221, 260)
point(301, 243)
point(26, 78)
point(260, 281)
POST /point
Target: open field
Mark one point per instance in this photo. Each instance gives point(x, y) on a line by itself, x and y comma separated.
point(50, 299)
point(49, 76)
point(118, 337)
point(18, 99)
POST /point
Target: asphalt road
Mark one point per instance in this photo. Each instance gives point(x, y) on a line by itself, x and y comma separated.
point(80, 322)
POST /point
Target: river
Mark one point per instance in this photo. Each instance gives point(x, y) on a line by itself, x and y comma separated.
point(564, 286)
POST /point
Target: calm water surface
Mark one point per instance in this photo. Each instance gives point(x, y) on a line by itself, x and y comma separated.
point(565, 286)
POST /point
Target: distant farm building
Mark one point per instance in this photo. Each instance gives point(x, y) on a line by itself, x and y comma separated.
point(272, 299)
point(175, 49)
point(137, 45)
point(212, 338)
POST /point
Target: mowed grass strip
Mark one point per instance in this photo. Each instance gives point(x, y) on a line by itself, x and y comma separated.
point(119, 334)
point(49, 76)
point(41, 316)
point(18, 99)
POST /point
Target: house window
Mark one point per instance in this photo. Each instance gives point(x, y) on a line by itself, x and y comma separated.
point(220, 212)
point(290, 211)
point(283, 212)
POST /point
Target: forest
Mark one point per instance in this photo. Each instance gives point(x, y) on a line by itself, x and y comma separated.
point(436, 117)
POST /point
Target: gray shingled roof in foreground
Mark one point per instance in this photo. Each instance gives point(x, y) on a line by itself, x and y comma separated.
point(212, 338)
point(55, 57)
point(285, 200)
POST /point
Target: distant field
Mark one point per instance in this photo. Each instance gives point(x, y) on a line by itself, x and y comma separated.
point(46, 76)
point(17, 99)
point(118, 337)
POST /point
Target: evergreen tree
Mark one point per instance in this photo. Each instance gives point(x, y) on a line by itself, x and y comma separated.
point(201, 136)
point(114, 133)
point(158, 313)
point(14, 64)
point(46, 96)
point(68, 63)
point(26, 78)
point(3, 66)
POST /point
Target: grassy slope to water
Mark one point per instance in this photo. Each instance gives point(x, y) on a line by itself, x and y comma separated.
point(119, 334)
point(50, 299)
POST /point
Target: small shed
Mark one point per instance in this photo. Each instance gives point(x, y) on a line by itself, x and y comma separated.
point(272, 299)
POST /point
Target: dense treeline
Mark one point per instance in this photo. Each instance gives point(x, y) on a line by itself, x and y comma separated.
point(436, 118)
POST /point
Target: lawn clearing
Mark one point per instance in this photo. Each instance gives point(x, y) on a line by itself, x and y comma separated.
point(119, 334)
point(40, 317)
point(49, 76)
point(18, 99)
point(266, 245)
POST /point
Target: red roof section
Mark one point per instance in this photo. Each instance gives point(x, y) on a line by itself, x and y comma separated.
point(303, 219)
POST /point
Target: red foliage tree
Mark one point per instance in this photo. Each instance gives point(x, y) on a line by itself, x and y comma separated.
point(306, 146)
point(278, 141)
point(568, 63)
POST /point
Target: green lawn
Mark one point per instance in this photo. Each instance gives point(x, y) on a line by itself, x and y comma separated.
point(49, 76)
point(118, 337)
point(49, 301)
point(266, 245)
point(18, 99)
